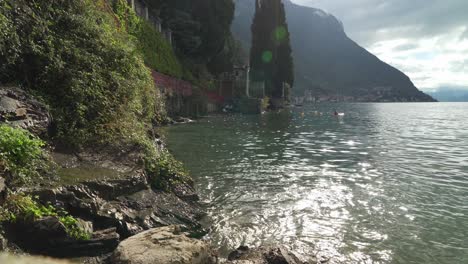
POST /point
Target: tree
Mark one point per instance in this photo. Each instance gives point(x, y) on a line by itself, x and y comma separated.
point(270, 56)
point(201, 28)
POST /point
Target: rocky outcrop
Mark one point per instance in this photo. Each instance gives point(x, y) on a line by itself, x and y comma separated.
point(128, 204)
point(166, 245)
point(263, 255)
point(10, 259)
point(21, 110)
point(112, 209)
point(49, 236)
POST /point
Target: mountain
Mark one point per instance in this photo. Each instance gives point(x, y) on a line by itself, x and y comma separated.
point(450, 95)
point(327, 62)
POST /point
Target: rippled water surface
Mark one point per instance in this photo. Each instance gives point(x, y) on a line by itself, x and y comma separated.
point(386, 183)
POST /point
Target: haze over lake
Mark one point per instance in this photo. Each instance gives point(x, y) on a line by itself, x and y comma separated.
point(386, 183)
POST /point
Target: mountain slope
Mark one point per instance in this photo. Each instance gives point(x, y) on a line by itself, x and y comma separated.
point(328, 62)
point(450, 95)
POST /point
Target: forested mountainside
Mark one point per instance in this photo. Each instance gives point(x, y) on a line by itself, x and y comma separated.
point(328, 62)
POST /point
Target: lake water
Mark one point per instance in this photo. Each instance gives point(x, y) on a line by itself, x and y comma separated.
point(386, 183)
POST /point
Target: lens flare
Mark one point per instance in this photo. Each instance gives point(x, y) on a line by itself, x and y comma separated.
point(267, 56)
point(280, 33)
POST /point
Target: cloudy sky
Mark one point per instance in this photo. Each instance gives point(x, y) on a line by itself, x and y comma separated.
point(426, 39)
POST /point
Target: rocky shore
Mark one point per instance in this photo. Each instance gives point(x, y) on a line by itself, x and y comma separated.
point(112, 199)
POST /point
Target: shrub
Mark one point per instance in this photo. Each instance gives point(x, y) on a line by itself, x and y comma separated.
point(22, 155)
point(21, 209)
point(165, 171)
point(265, 103)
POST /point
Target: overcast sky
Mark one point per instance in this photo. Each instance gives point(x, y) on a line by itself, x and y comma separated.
point(426, 39)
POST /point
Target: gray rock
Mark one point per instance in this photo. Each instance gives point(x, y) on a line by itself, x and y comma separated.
point(48, 228)
point(126, 204)
point(21, 110)
point(8, 105)
point(86, 226)
point(263, 255)
point(165, 245)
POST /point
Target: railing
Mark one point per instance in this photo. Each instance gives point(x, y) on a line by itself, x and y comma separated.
point(171, 85)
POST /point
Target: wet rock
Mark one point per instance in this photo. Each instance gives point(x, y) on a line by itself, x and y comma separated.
point(263, 255)
point(238, 253)
point(182, 120)
point(166, 245)
point(129, 205)
point(11, 259)
point(148, 209)
point(21, 110)
point(185, 192)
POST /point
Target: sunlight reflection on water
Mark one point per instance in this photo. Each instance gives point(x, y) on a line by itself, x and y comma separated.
point(384, 184)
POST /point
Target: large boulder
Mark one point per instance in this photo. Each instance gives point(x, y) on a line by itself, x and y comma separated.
point(20, 109)
point(11, 259)
point(263, 255)
point(165, 245)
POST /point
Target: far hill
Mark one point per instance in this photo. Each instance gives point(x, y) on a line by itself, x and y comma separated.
point(327, 62)
point(450, 95)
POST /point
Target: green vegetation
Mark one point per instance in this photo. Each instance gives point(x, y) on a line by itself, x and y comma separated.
point(265, 103)
point(156, 51)
point(73, 229)
point(165, 171)
point(22, 156)
point(271, 53)
point(201, 31)
point(21, 209)
point(74, 55)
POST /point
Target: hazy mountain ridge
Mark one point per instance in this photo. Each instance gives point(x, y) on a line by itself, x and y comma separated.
point(450, 95)
point(328, 62)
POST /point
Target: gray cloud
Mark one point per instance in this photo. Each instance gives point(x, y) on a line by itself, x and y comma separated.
point(402, 18)
point(404, 47)
point(427, 39)
point(464, 35)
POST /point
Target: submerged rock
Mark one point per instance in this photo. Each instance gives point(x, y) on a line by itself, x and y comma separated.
point(165, 245)
point(263, 255)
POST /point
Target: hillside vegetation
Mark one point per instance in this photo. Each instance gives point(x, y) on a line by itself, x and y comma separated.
point(156, 51)
point(75, 55)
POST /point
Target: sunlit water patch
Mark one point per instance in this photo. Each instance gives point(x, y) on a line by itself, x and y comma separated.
point(386, 183)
